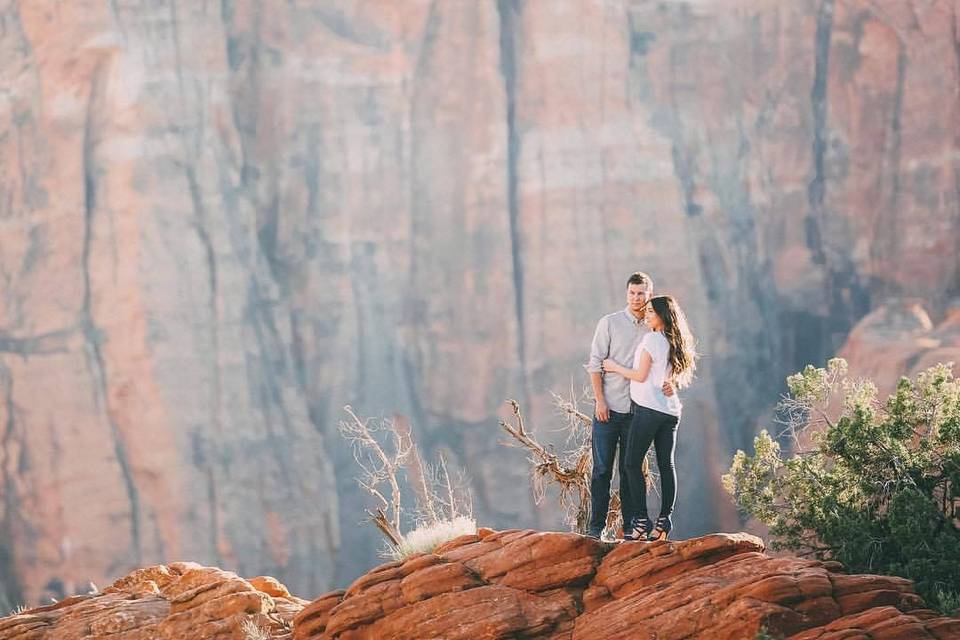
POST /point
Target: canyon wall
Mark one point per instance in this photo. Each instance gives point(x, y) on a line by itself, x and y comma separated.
point(220, 222)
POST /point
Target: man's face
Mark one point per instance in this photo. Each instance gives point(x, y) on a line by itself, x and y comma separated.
point(637, 297)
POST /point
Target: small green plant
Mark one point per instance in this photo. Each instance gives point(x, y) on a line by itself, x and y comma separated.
point(874, 485)
point(948, 602)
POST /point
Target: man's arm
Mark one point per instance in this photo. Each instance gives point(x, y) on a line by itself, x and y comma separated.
point(602, 410)
point(599, 349)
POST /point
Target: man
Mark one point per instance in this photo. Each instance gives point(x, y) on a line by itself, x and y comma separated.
point(617, 337)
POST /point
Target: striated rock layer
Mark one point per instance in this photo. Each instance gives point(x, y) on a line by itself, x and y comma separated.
point(514, 584)
point(222, 221)
point(182, 600)
point(524, 584)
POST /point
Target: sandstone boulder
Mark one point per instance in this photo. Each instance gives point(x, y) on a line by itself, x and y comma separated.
point(527, 584)
point(512, 584)
point(172, 602)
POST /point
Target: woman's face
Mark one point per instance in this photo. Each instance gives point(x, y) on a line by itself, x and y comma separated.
point(653, 321)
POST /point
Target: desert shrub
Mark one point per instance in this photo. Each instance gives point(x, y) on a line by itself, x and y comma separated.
point(948, 602)
point(873, 484)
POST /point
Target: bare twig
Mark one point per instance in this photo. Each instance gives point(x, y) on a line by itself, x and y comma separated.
point(380, 520)
point(569, 407)
point(415, 470)
point(448, 485)
point(381, 466)
point(614, 514)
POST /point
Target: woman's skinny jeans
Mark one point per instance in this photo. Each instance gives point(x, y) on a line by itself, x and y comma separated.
point(650, 426)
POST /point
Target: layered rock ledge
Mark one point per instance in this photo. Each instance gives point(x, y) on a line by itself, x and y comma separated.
point(514, 584)
point(169, 602)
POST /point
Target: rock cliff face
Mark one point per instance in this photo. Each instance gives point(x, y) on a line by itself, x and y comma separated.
point(222, 221)
point(898, 338)
point(514, 584)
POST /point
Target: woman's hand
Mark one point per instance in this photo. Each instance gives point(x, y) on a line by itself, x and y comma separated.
point(639, 374)
point(611, 365)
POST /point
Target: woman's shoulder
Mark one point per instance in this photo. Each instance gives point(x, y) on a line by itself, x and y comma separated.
point(654, 337)
point(656, 340)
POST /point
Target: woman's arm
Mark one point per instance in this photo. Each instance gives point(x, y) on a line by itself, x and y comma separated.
point(639, 374)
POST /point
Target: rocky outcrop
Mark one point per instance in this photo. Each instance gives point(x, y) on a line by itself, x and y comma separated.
point(222, 221)
point(182, 600)
point(515, 584)
point(524, 584)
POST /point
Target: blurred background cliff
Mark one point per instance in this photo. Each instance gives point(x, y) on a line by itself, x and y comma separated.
point(222, 221)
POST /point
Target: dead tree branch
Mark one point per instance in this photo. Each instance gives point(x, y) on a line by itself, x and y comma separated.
point(384, 450)
point(378, 466)
point(570, 470)
point(572, 479)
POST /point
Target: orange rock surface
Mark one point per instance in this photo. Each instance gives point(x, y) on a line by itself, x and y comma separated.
point(524, 584)
point(515, 584)
point(182, 600)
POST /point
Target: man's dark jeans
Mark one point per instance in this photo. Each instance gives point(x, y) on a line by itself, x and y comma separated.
point(607, 437)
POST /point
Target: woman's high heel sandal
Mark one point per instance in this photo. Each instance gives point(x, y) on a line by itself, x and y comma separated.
point(639, 530)
point(662, 529)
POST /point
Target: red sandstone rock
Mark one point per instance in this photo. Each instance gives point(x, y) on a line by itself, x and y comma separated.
point(515, 584)
point(719, 587)
point(182, 600)
point(312, 620)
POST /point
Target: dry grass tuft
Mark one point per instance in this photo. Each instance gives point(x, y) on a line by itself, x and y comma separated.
point(430, 535)
point(252, 631)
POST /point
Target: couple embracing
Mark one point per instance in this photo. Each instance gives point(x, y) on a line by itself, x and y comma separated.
point(640, 358)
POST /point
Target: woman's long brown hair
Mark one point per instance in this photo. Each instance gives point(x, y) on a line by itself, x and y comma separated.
point(683, 354)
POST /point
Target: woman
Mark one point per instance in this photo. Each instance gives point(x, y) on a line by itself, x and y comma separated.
point(666, 353)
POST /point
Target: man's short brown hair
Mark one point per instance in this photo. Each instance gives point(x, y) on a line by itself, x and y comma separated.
point(642, 279)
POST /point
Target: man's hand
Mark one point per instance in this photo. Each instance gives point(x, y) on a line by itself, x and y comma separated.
point(603, 411)
point(667, 388)
point(610, 365)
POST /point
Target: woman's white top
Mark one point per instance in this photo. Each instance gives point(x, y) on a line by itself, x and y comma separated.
point(650, 392)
